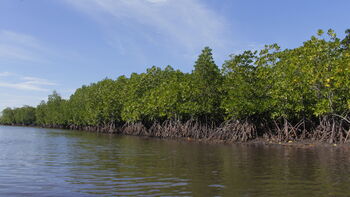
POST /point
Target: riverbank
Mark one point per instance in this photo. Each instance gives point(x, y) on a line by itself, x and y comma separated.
point(228, 133)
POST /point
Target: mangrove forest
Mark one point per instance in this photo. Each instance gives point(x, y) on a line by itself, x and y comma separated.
point(272, 93)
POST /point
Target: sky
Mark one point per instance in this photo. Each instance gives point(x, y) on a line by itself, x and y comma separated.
point(48, 45)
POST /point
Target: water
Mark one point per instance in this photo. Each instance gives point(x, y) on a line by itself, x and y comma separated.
point(49, 162)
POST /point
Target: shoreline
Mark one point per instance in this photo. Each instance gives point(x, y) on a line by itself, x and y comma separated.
point(305, 143)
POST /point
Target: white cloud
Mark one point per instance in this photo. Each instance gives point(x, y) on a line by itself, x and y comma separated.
point(15, 100)
point(20, 39)
point(38, 81)
point(187, 24)
point(22, 86)
point(157, 1)
point(18, 46)
point(24, 83)
point(5, 74)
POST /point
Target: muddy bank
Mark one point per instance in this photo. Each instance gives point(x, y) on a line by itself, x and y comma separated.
point(328, 131)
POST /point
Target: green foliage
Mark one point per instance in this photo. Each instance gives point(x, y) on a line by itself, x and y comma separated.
point(246, 85)
point(206, 81)
point(162, 102)
point(7, 116)
point(309, 81)
point(52, 112)
point(312, 80)
point(20, 116)
point(138, 91)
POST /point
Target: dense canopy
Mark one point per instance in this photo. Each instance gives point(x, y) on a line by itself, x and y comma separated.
point(292, 93)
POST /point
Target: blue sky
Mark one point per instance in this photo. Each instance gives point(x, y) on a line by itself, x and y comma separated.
point(48, 45)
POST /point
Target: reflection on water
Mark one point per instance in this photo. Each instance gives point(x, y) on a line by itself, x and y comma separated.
point(48, 162)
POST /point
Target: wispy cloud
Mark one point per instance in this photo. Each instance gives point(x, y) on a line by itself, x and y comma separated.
point(19, 46)
point(187, 24)
point(20, 39)
point(5, 74)
point(37, 81)
point(16, 100)
point(12, 80)
point(156, 1)
point(22, 86)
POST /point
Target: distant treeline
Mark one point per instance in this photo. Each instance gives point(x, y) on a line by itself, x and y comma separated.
point(291, 94)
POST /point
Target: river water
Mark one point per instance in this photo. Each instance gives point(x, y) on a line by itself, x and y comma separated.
point(51, 162)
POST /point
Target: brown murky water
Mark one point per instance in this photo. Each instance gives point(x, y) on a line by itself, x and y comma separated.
point(47, 162)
